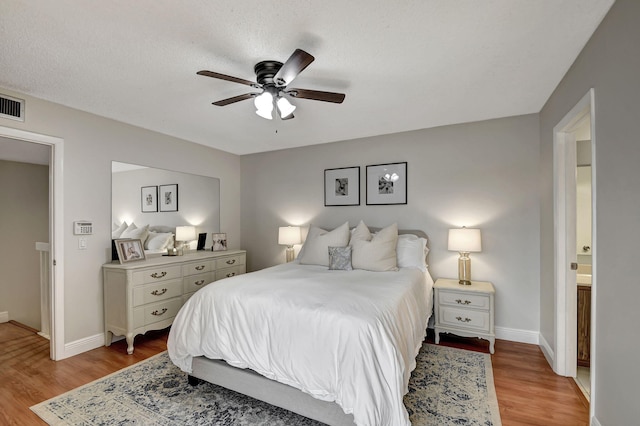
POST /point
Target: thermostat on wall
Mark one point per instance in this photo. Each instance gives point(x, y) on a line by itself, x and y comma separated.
point(82, 227)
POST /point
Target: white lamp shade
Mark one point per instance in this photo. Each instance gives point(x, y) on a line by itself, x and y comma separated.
point(289, 235)
point(465, 240)
point(285, 107)
point(264, 105)
point(185, 233)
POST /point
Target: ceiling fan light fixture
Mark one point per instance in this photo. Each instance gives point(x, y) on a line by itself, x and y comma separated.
point(264, 105)
point(285, 107)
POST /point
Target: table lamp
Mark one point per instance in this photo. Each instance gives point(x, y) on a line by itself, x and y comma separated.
point(464, 241)
point(288, 236)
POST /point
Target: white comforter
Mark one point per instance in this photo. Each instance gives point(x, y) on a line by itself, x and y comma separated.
point(344, 336)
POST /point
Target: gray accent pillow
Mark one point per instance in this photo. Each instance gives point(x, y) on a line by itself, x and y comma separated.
point(340, 258)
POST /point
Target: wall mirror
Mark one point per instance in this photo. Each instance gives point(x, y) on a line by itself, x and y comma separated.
point(136, 193)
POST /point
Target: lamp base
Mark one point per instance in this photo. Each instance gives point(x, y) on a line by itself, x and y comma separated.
point(464, 268)
point(290, 254)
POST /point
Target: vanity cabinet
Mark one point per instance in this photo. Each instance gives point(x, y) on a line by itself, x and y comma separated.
point(584, 325)
point(147, 295)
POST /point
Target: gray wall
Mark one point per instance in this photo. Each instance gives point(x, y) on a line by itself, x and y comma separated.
point(478, 174)
point(24, 220)
point(90, 144)
point(609, 63)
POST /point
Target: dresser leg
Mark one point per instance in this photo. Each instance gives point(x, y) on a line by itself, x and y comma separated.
point(130, 343)
point(108, 337)
point(492, 343)
point(437, 339)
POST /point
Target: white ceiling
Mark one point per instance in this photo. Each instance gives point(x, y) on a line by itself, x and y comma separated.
point(403, 64)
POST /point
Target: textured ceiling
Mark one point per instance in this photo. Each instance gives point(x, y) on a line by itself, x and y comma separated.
point(404, 65)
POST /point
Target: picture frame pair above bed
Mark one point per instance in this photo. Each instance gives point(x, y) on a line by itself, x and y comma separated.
point(386, 184)
point(163, 198)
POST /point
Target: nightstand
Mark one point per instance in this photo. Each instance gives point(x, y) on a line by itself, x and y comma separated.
point(465, 310)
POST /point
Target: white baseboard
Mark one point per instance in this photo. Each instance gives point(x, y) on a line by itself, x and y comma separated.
point(547, 351)
point(83, 345)
point(516, 335)
point(4, 316)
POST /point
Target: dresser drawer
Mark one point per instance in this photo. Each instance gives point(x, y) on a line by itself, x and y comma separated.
point(230, 272)
point(230, 261)
point(196, 282)
point(155, 312)
point(156, 292)
point(161, 273)
point(196, 268)
point(467, 299)
point(464, 318)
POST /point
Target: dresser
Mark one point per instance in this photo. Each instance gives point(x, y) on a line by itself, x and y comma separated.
point(147, 295)
point(465, 310)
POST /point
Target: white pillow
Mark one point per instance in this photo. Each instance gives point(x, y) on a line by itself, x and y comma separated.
point(412, 252)
point(158, 241)
point(116, 233)
point(316, 247)
point(136, 233)
point(374, 253)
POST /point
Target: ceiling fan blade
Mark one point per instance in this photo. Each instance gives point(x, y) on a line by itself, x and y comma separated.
point(235, 99)
point(297, 62)
point(317, 95)
point(228, 78)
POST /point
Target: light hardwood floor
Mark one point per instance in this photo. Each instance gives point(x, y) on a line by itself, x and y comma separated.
point(528, 391)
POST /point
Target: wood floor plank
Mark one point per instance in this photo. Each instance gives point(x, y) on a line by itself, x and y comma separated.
point(528, 391)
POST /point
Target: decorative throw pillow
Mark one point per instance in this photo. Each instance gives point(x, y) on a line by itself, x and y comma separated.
point(136, 233)
point(412, 252)
point(374, 253)
point(340, 258)
point(158, 241)
point(119, 230)
point(315, 250)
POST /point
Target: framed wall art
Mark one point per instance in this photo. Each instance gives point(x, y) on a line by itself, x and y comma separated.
point(149, 199)
point(129, 250)
point(168, 198)
point(387, 184)
point(342, 186)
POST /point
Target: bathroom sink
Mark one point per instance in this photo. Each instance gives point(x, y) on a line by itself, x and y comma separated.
point(584, 279)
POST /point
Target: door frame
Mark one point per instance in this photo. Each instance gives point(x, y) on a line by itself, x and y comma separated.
point(564, 181)
point(56, 235)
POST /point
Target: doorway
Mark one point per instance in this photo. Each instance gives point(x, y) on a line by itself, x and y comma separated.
point(56, 226)
point(566, 135)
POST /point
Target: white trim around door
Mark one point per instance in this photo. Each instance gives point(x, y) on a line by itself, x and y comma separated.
point(56, 235)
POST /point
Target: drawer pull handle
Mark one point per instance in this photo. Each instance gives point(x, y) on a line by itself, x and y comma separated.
point(200, 282)
point(199, 268)
point(158, 275)
point(159, 292)
point(231, 261)
point(463, 320)
point(231, 274)
point(158, 313)
point(460, 302)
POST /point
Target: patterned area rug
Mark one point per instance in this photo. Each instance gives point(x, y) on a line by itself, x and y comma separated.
point(448, 387)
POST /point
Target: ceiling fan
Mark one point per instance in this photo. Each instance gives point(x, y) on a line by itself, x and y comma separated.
point(273, 77)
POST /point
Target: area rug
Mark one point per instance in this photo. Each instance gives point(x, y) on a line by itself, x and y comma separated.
point(448, 387)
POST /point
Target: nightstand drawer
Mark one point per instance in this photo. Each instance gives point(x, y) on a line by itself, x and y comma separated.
point(156, 292)
point(230, 261)
point(196, 268)
point(465, 318)
point(196, 282)
point(161, 273)
point(467, 299)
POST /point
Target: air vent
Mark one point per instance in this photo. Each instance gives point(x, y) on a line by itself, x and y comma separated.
point(11, 108)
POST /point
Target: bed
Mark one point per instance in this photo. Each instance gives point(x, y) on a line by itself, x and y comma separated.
point(337, 346)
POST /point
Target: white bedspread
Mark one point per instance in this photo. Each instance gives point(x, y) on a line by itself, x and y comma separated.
point(344, 336)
